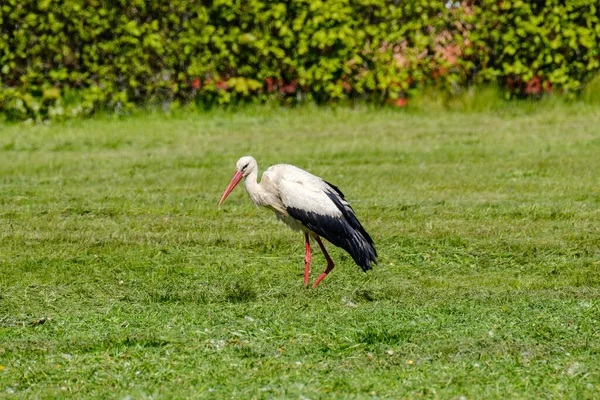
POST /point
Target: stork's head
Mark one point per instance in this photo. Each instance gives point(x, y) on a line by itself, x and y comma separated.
point(244, 167)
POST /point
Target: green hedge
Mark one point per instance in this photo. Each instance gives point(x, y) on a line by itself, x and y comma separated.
point(73, 57)
point(531, 47)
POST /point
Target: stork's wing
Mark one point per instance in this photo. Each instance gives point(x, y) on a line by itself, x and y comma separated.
point(307, 195)
point(322, 208)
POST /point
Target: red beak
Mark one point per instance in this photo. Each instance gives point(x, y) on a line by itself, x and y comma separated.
point(234, 181)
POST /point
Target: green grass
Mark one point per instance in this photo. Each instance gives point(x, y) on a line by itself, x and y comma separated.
point(120, 277)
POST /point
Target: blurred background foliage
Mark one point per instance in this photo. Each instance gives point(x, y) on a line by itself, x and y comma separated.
point(75, 57)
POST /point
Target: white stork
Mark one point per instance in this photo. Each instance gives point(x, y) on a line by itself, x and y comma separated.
point(306, 202)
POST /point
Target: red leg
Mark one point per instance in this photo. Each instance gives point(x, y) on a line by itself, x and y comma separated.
point(307, 258)
point(329, 263)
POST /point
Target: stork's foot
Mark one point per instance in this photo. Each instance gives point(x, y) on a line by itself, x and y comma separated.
point(324, 274)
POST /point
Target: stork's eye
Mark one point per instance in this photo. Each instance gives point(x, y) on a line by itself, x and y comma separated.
point(244, 167)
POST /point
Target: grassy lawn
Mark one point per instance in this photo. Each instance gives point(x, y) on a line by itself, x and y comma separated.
point(120, 277)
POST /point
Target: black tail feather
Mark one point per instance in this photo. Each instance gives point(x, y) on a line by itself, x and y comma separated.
point(362, 251)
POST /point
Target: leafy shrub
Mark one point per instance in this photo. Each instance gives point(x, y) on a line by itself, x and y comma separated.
point(84, 55)
point(81, 56)
point(536, 47)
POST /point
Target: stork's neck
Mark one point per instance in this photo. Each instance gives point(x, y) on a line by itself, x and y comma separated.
point(255, 191)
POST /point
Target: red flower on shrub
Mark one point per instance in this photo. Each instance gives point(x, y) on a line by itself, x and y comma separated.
point(402, 102)
point(289, 88)
point(221, 85)
point(269, 82)
point(534, 86)
point(347, 86)
point(439, 71)
point(196, 83)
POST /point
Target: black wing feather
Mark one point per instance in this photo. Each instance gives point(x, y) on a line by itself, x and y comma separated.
point(336, 189)
point(345, 232)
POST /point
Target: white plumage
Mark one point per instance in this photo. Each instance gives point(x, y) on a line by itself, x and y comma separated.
point(306, 202)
